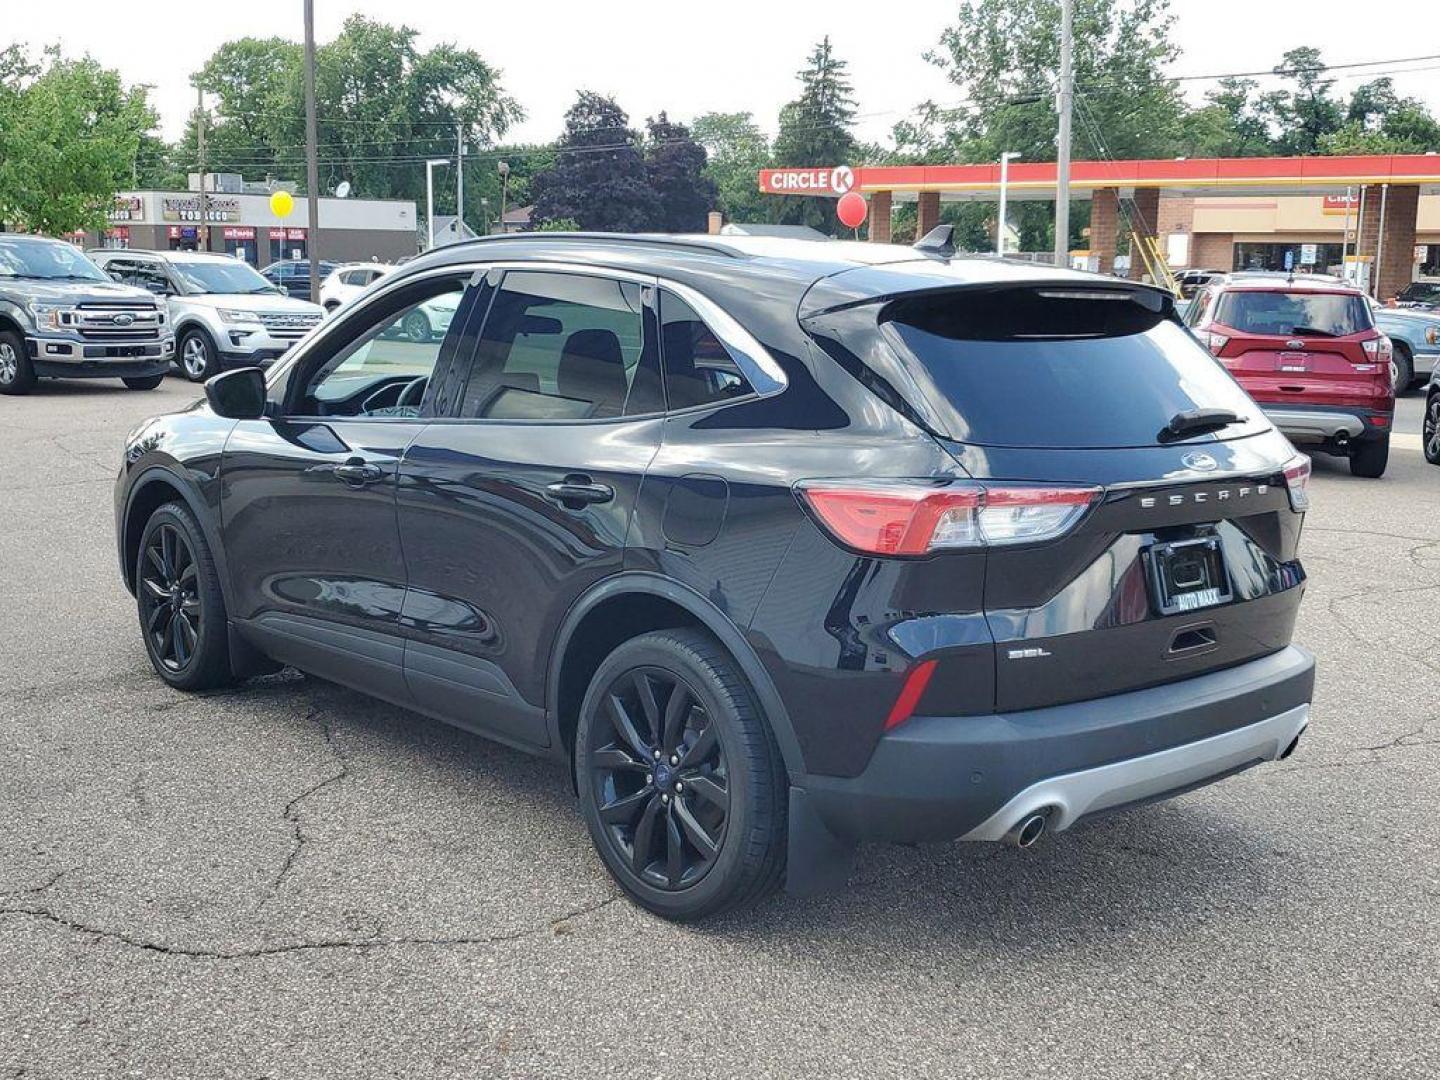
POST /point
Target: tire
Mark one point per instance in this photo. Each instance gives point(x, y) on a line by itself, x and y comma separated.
point(17, 374)
point(177, 586)
point(1430, 429)
point(1402, 369)
point(149, 382)
point(731, 794)
point(416, 326)
point(1370, 458)
point(197, 355)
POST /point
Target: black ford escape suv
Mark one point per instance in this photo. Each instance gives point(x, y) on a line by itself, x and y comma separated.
point(778, 546)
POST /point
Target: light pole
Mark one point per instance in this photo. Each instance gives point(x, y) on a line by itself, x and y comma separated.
point(1005, 159)
point(504, 169)
point(312, 154)
point(430, 197)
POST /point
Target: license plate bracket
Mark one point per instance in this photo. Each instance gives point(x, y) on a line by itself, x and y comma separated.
point(1187, 575)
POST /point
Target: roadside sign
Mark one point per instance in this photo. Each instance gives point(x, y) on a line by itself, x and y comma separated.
point(828, 182)
point(1309, 254)
point(1290, 259)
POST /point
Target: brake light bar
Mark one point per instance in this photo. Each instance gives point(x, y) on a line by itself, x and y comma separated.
point(912, 517)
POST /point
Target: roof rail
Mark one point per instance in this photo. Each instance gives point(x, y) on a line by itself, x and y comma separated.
point(680, 242)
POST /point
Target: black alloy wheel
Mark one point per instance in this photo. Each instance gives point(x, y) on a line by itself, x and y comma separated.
point(170, 602)
point(680, 779)
point(660, 777)
point(1430, 429)
point(181, 607)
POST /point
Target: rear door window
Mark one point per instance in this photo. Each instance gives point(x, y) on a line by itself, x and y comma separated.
point(1058, 368)
point(699, 368)
point(1298, 314)
point(564, 347)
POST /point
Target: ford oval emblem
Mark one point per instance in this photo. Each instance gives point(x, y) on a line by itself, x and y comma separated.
point(1294, 344)
point(123, 320)
point(1200, 462)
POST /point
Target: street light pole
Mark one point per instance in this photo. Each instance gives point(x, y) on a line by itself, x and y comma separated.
point(1005, 159)
point(312, 161)
point(504, 170)
point(430, 197)
point(460, 181)
point(1066, 103)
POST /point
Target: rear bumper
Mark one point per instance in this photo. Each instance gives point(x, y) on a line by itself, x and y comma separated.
point(1425, 362)
point(1329, 426)
point(974, 777)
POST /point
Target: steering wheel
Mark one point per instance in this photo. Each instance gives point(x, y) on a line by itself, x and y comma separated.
point(386, 400)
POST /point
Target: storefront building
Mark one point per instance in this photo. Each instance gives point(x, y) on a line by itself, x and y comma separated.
point(243, 225)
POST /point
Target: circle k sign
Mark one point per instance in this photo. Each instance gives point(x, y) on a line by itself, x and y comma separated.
point(832, 182)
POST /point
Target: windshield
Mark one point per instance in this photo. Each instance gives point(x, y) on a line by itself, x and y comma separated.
point(1421, 290)
point(1026, 369)
point(1306, 314)
point(222, 277)
point(45, 260)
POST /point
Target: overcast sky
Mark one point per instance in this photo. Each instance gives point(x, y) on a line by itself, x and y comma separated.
point(688, 57)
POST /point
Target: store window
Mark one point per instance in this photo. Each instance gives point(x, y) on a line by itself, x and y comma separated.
point(1302, 258)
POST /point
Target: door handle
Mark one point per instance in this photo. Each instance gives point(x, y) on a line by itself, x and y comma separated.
point(358, 473)
point(575, 491)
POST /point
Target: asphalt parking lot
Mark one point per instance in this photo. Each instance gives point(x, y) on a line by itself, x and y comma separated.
point(291, 880)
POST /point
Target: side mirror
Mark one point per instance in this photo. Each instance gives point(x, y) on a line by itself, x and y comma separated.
point(238, 394)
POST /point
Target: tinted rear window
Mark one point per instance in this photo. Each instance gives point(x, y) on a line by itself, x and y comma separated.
point(1299, 314)
point(1020, 368)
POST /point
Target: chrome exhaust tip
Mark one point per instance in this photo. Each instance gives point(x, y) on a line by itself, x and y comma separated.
point(1027, 831)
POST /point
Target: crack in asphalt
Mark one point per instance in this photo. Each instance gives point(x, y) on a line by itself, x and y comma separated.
point(36, 890)
point(290, 814)
point(335, 944)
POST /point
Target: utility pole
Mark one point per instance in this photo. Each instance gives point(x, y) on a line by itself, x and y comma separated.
point(202, 233)
point(1065, 103)
point(312, 163)
point(460, 181)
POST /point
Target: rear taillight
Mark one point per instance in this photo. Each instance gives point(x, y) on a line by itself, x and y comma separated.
point(1215, 342)
point(1378, 349)
point(1297, 482)
point(916, 518)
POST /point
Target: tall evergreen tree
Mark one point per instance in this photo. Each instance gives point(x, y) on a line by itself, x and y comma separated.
point(815, 129)
point(675, 171)
point(598, 180)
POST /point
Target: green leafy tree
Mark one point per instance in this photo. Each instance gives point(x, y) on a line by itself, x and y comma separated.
point(598, 179)
point(816, 129)
point(1306, 113)
point(70, 137)
point(736, 151)
point(1380, 121)
point(675, 171)
point(383, 106)
point(1003, 58)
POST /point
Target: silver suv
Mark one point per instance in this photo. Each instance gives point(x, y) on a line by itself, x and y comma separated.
point(61, 318)
point(224, 313)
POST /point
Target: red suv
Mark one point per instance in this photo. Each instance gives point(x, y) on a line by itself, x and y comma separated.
point(1306, 348)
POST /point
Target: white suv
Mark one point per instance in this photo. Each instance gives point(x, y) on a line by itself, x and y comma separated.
point(346, 282)
point(223, 312)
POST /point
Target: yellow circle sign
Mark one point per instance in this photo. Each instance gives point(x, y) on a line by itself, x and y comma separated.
point(282, 204)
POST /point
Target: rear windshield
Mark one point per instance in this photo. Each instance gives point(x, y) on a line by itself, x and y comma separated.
point(1300, 313)
point(1023, 368)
